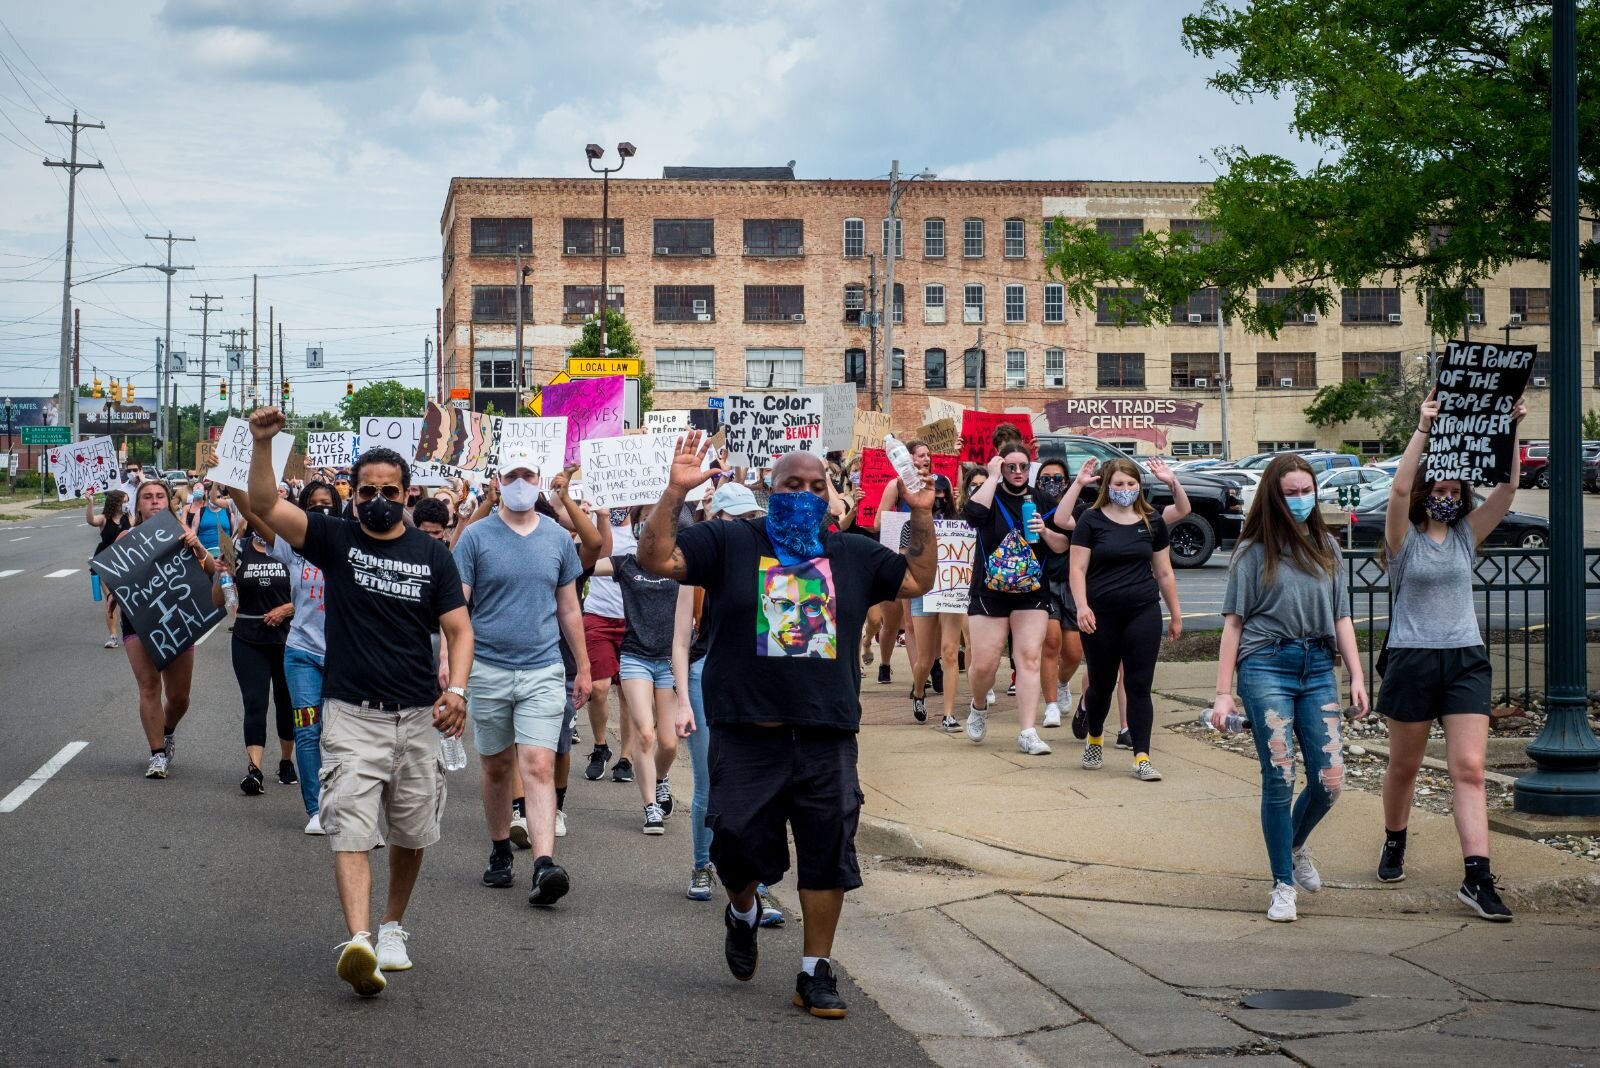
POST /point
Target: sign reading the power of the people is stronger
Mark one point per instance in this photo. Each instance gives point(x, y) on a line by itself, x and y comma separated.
point(161, 587)
point(1475, 435)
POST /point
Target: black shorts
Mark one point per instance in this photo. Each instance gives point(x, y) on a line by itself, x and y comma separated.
point(1421, 685)
point(764, 778)
point(986, 602)
point(1062, 609)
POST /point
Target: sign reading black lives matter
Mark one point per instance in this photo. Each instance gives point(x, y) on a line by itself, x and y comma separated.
point(163, 590)
point(1475, 435)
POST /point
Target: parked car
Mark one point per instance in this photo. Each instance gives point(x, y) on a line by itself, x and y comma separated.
point(1327, 461)
point(1203, 464)
point(1535, 460)
point(1330, 482)
point(1516, 530)
point(1591, 472)
point(1217, 511)
point(1247, 481)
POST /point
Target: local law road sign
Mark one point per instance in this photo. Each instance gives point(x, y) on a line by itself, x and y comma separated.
point(46, 435)
point(603, 367)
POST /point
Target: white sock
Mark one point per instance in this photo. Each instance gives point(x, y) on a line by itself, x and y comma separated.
point(746, 917)
point(809, 964)
point(388, 924)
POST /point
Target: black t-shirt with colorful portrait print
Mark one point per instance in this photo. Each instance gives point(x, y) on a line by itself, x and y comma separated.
point(783, 641)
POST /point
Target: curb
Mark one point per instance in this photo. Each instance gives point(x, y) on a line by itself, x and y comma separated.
point(889, 838)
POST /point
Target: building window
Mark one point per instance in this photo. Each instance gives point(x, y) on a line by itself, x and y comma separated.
point(1120, 370)
point(855, 238)
point(582, 237)
point(686, 304)
point(1055, 303)
point(686, 369)
point(972, 303)
point(1298, 311)
point(897, 376)
point(498, 304)
point(933, 369)
point(1474, 299)
point(1016, 304)
point(685, 237)
point(1105, 309)
point(1055, 367)
point(933, 303)
point(855, 367)
point(933, 239)
point(1120, 233)
point(1532, 304)
point(1016, 369)
point(1539, 377)
point(1197, 370)
point(1198, 229)
point(1372, 305)
point(580, 302)
point(1597, 305)
point(1284, 446)
point(899, 238)
point(1015, 245)
point(1370, 447)
point(1052, 237)
point(774, 368)
point(972, 239)
point(1597, 370)
point(1201, 303)
point(495, 368)
point(500, 237)
point(1365, 366)
point(1286, 370)
point(774, 304)
point(1196, 449)
point(975, 368)
point(774, 237)
point(855, 302)
point(899, 303)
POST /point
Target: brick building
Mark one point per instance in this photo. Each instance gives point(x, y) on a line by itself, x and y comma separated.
point(749, 279)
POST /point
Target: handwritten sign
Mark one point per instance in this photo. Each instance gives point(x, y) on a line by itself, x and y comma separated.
point(938, 408)
point(1475, 436)
point(950, 467)
point(952, 581)
point(942, 436)
point(680, 419)
point(164, 592)
point(89, 466)
point(593, 407)
point(334, 448)
point(764, 426)
point(633, 469)
point(234, 449)
point(838, 403)
point(546, 438)
point(876, 473)
point(387, 432)
point(868, 431)
point(977, 432)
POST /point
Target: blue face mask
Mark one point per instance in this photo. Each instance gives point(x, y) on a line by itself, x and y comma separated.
point(794, 525)
point(1302, 506)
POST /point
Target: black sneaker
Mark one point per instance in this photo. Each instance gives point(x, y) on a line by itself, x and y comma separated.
point(654, 822)
point(885, 676)
point(739, 945)
point(1011, 687)
point(1080, 722)
point(252, 783)
point(664, 798)
point(919, 708)
point(286, 775)
point(1392, 861)
point(599, 757)
point(1125, 740)
point(937, 677)
point(549, 886)
point(819, 994)
point(498, 873)
point(622, 771)
point(1481, 897)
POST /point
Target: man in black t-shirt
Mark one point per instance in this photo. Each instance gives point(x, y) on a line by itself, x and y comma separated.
point(782, 623)
point(389, 587)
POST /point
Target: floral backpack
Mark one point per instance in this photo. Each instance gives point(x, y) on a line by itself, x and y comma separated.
point(1012, 568)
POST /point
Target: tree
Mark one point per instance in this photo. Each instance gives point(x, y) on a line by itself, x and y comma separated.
point(1336, 405)
point(1434, 117)
point(382, 398)
point(619, 338)
point(1591, 425)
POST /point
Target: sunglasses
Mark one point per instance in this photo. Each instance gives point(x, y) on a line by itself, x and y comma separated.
point(391, 492)
point(1013, 467)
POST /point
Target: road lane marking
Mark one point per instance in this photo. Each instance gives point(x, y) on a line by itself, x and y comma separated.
point(25, 537)
point(15, 798)
point(8, 574)
point(202, 639)
point(63, 573)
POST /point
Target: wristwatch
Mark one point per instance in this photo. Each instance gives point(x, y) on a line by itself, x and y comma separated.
point(459, 691)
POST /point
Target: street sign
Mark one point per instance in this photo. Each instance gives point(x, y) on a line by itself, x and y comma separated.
point(714, 402)
point(314, 356)
point(535, 404)
point(458, 393)
point(179, 363)
point(46, 435)
point(586, 367)
point(236, 359)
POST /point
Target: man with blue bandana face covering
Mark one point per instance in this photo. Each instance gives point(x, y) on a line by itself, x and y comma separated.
point(782, 620)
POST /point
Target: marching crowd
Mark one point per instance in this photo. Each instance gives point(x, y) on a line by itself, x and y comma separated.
point(378, 620)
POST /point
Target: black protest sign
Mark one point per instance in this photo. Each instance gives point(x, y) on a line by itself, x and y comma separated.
point(1475, 435)
point(164, 592)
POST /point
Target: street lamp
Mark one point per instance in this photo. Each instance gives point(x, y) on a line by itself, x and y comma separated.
point(891, 228)
point(8, 407)
point(625, 152)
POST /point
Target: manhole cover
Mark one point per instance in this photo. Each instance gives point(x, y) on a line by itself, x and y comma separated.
point(1297, 999)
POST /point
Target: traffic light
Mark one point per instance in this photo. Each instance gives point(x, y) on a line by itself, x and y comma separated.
point(97, 393)
point(349, 389)
point(284, 391)
point(115, 390)
point(222, 389)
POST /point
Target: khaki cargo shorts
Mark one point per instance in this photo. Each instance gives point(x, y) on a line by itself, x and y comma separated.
point(383, 778)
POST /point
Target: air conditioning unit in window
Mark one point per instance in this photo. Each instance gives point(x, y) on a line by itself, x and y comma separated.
point(1202, 383)
point(705, 252)
point(745, 249)
point(1474, 317)
point(1516, 317)
point(797, 317)
point(662, 250)
point(1196, 317)
point(799, 250)
point(699, 306)
point(1394, 317)
point(705, 383)
point(1309, 317)
point(616, 250)
point(572, 250)
point(704, 317)
point(1286, 383)
point(1540, 381)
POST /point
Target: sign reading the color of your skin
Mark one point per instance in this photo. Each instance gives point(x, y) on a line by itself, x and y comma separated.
point(764, 426)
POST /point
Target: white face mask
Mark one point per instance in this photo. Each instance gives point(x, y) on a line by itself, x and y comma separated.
point(519, 495)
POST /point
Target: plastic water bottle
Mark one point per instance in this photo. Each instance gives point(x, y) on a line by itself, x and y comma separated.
point(1231, 723)
point(1029, 510)
point(455, 754)
point(900, 458)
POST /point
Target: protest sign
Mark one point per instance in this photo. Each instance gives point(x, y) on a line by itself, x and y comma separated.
point(876, 473)
point(234, 449)
point(454, 436)
point(952, 581)
point(890, 527)
point(335, 448)
point(593, 407)
point(89, 466)
point(868, 431)
point(164, 593)
point(950, 468)
point(633, 469)
point(838, 414)
point(205, 453)
point(388, 432)
point(1475, 436)
point(765, 426)
point(942, 436)
point(546, 438)
point(938, 408)
point(977, 432)
point(680, 419)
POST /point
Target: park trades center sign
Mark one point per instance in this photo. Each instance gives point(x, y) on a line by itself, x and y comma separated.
point(1143, 418)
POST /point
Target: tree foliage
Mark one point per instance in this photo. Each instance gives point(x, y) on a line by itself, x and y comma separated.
point(1591, 425)
point(1336, 405)
point(388, 397)
point(619, 337)
point(1433, 117)
point(1390, 403)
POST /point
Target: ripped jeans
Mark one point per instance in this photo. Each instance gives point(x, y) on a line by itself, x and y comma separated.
point(1292, 699)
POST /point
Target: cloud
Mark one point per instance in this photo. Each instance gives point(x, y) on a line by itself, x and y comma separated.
point(434, 108)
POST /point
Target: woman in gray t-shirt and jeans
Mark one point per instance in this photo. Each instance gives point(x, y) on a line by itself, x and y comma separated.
point(1437, 668)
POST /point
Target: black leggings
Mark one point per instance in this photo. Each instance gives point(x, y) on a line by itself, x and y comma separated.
point(1129, 639)
point(257, 667)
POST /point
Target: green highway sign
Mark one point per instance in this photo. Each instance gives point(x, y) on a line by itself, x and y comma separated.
point(46, 435)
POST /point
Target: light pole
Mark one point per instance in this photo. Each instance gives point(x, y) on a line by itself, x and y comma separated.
point(516, 366)
point(10, 487)
point(593, 152)
point(892, 242)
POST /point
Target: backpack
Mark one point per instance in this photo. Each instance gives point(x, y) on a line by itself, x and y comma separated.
point(1012, 568)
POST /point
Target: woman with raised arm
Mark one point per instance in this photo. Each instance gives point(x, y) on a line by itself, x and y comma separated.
point(112, 521)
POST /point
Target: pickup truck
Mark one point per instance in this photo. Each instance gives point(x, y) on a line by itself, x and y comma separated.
point(1217, 513)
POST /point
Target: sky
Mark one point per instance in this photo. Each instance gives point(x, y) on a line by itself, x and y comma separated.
point(311, 142)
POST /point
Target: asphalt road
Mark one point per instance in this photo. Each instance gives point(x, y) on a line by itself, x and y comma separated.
point(179, 922)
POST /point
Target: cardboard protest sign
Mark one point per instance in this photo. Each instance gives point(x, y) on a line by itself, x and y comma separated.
point(623, 471)
point(838, 414)
point(763, 426)
point(1475, 437)
point(593, 407)
point(868, 431)
point(680, 419)
point(942, 436)
point(977, 432)
point(234, 449)
point(952, 583)
point(205, 453)
point(388, 432)
point(546, 438)
point(938, 408)
point(164, 592)
point(88, 466)
point(334, 448)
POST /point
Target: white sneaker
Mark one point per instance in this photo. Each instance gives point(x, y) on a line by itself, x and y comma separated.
point(158, 766)
point(977, 723)
point(1064, 694)
point(990, 701)
point(358, 966)
point(392, 948)
point(1305, 871)
point(519, 832)
point(314, 824)
point(561, 824)
point(1282, 909)
point(1029, 742)
point(1052, 715)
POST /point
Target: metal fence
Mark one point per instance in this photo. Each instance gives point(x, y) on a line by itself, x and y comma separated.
point(1510, 588)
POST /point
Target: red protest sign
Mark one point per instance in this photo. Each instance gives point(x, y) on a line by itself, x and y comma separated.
point(949, 467)
point(977, 432)
point(876, 473)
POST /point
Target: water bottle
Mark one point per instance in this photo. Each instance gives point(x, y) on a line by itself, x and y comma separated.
point(1029, 509)
point(900, 458)
point(1231, 723)
point(94, 586)
point(454, 753)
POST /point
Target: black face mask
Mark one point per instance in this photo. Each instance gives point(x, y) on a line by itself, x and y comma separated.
point(379, 514)
point(321, 509)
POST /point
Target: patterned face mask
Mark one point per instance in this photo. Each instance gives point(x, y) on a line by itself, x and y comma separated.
point(1052, 486)
point(1444, 509)
point(794, 524)
point(1123, 497)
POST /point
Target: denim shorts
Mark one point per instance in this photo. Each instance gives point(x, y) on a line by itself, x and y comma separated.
point(528, 707)
point(658, 672)
point(917, 611)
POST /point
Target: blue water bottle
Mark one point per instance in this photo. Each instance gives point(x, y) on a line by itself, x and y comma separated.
point(94, 585)
point(1028, 511)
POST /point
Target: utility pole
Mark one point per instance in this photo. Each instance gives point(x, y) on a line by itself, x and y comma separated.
point(516, 367)
point(1223, 374)
point(977, 377)
point(438, 346)
point(169, 270)
point(205, 333)
point(283, 373)
point(427, 351)
point(891, 231)
point(255, 341)
point(872, 330)
point(67, 410)
point(77, 347)
point(271, 388)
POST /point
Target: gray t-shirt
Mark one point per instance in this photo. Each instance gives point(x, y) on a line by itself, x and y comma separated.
point(1295, 604)
point(1431, 591)
point(305, 583)
point(514, 578)
point(650, 603)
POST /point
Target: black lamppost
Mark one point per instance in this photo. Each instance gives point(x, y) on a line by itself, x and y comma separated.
point(625, 151)
point(9, 465)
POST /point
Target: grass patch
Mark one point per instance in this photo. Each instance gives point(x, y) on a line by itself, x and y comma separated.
point(26, 501)
point(11, 517)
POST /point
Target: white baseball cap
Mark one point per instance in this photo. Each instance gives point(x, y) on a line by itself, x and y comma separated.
point(734, 499)
point(519, 456)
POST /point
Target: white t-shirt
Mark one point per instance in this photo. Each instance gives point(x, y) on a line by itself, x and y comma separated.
point(605, 596)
